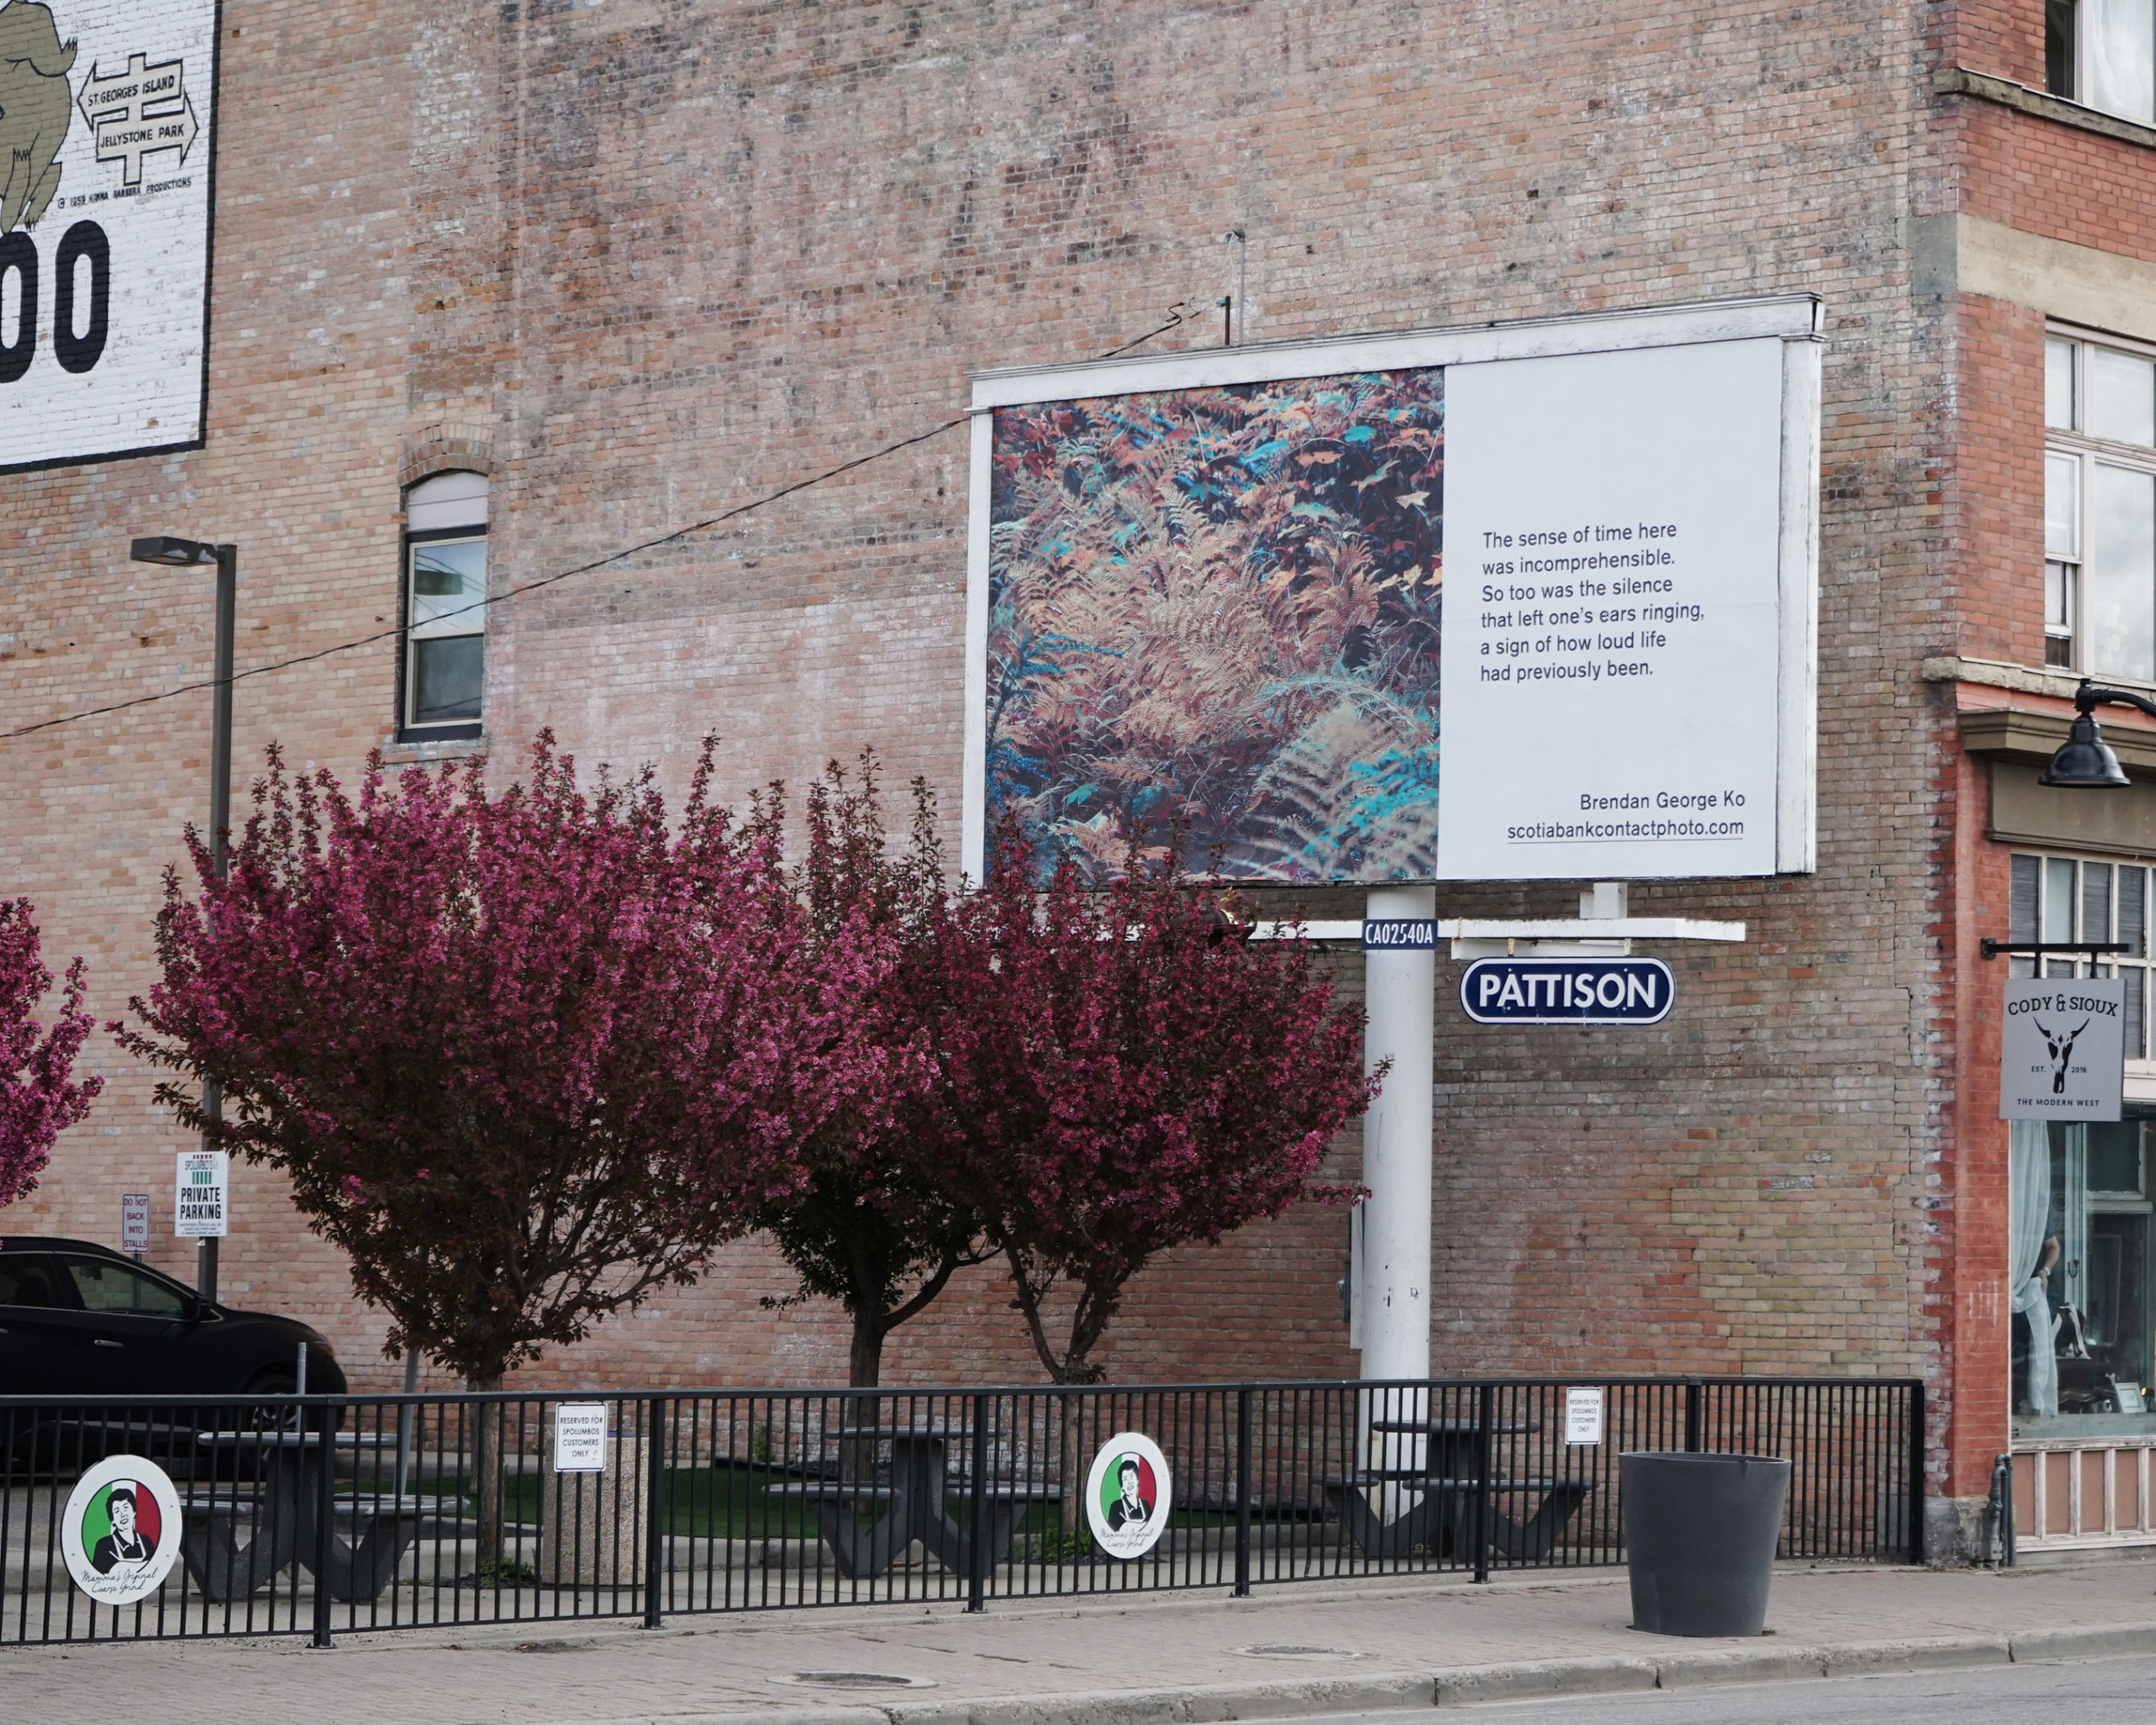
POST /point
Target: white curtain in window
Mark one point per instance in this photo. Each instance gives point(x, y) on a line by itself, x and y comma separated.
point(2122, 39)
point(2028, 1209)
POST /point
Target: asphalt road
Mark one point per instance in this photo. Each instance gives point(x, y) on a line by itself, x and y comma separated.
point(2121, 1689)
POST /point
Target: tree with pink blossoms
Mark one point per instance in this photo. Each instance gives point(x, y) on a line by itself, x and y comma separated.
point(1120, 1072)
point(526, 1059)
point(40, 1096)
point(878, 1227)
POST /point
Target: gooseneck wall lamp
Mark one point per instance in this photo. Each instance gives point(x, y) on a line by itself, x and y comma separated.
point(2085, 762)
point(185, 553)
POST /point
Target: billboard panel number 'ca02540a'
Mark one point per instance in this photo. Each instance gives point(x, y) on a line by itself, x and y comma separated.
point(106, 111)
point(1515, 602)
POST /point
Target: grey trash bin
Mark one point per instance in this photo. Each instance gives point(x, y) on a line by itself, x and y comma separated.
point(1699, 1535)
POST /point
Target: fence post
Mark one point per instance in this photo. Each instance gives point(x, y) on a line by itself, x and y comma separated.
point(1242, 1493)
point(1916, 1471)
point(655, 1511)
point(2003, 1472)
point(1486, 1398)
point(1695, 1423)
point(325, 1512)
point(977, 1517)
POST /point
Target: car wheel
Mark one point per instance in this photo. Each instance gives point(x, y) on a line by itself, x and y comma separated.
point(272, 1416)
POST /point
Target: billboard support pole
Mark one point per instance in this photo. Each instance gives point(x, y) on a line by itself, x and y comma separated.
point(1399, 997)
point(1400, 994)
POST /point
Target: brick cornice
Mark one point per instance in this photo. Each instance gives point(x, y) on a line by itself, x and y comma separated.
point(1960, 80)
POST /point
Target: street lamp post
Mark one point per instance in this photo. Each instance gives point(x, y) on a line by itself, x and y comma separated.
point(184, 553)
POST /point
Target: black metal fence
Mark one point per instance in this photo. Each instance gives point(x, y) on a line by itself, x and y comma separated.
point(317, 1515)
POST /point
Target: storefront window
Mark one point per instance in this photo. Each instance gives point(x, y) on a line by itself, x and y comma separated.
point(2079, 1222)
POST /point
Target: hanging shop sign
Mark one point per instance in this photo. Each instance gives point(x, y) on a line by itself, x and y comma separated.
point(120, 1534)
point(201, 1194)
point(1128, 1495)
point(1567, 991)
point(2063, 1049)
point(1210, 583)
point(106, 108)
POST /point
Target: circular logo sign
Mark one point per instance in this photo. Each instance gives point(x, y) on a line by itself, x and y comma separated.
point(120, 1532)
point(1128, 1496)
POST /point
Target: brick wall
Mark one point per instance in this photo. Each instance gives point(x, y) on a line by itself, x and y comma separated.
point(665, 258)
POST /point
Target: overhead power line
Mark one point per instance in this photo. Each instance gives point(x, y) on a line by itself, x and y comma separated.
point(1177, 316)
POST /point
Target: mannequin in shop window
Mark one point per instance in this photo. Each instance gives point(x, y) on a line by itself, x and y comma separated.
point(2036, 1343)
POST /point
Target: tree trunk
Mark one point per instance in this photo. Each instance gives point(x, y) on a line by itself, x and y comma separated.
point(865, 1359)
point(487, 1471)
point(1073, 1466)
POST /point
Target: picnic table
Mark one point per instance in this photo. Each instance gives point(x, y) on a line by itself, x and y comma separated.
point(913, 1496)
point(1444, 1486)
point(285, 1513)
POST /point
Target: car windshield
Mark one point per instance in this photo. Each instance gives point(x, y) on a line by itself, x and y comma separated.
point(113, 1288)
point(27, 1281)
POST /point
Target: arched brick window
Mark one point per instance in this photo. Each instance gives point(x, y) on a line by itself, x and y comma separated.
point(445, 664)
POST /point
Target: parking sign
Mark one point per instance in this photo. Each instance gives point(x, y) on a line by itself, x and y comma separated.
point(199, 1200)
point(135, 1221)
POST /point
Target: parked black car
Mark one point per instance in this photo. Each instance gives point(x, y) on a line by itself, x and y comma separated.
point(79, 1319)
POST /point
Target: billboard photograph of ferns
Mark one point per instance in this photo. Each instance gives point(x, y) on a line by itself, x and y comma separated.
point(1216, 612)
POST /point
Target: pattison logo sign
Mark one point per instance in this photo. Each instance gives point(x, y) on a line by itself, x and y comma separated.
point(1567, 991)
point(2063, 1049)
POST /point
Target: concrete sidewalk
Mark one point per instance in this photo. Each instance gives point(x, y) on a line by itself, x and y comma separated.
point(1139, 1661)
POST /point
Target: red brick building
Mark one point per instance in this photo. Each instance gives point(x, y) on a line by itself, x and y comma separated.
point(632, 265)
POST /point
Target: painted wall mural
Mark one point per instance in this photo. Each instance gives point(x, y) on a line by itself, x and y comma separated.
point(1221, 606)
point(106, 108)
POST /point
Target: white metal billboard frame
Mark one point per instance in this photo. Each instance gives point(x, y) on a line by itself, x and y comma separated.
point(1797, 319)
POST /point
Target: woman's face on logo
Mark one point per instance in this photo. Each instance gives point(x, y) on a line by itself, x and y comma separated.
point(123, 1515)
point(1130, 1482)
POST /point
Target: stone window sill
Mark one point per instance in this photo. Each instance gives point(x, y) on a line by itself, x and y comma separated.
point(423, 753)
point(2027, 679)
point(1960, 80)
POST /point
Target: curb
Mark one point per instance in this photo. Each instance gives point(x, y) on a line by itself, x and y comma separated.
point(1457, 1686)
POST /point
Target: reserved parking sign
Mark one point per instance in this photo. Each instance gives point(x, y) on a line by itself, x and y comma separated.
point(580, 1437)
point(201, 1195)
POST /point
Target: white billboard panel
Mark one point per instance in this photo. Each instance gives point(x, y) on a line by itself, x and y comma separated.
point(1208, 593)
point(1613, 616)
point(106, 111)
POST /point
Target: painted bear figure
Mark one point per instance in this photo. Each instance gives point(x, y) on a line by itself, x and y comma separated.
point(35, 106)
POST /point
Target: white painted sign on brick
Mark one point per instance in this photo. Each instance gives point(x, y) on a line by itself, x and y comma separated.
point(106, 108)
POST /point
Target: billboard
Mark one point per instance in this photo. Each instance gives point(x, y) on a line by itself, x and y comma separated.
point(106, 112)
point(1205, 596)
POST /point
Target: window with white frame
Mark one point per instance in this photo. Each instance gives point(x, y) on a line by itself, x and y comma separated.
point(2099, 508)
point(2058, 899)
point(2102, 54)
point(444, 674)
